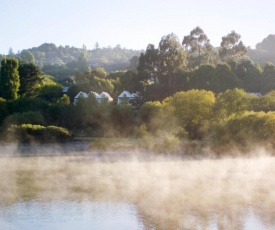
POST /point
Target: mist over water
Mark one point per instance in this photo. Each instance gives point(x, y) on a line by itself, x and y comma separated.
point(167, 192)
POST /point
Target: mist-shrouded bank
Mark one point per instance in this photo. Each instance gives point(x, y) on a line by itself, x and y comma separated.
point(169, 192)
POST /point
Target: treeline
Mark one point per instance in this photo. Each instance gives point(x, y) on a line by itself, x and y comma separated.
point(264, 52)
point(188, 89)
point(66, 61)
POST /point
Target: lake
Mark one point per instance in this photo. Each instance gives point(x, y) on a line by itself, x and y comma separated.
point(86, 192)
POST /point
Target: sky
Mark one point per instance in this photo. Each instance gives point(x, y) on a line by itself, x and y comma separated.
point(133, 24)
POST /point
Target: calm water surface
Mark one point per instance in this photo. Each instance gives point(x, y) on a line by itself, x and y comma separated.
point(68, 215)
point(53, 193)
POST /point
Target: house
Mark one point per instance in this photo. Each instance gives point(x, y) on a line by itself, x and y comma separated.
point(80, 95)
point(125, 97)
point(65, 90)
point(101, 98)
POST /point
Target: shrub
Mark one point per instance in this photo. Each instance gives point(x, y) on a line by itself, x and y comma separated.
point(27, 133)
point(25, 118)
point(244, 131)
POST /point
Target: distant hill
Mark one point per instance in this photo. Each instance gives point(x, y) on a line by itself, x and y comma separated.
point(111, 59)
point(265, 51)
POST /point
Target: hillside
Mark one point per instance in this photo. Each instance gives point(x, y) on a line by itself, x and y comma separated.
point(264, 52)
point(111, 59)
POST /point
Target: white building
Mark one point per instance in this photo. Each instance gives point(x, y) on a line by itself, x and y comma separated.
point(101, 98)
point(125, 97)
point(80, 95)
point(104, 97)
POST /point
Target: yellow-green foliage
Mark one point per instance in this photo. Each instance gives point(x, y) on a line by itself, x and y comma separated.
point(234, 101)
point(192, 109)
point(245, 129)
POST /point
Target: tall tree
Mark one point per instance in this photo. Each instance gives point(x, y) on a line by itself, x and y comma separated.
point(232, 48)
point(30, 79)
point(148, 64)
point(133, 64)
point(198, 48)
point(172, 59)
point(9, 80)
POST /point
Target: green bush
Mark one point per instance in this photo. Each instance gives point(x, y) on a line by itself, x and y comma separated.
point(245, 131)
point(25, 118)
point(27, 133)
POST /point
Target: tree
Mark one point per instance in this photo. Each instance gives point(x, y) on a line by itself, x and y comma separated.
point(51, 92)
point(192, 109)
point(198, 48)
point(235, 101)
point(30, 79)
point(224, 78)
point(129, 81)
point(268, 78)
point(232, 48)
point(99, 72)
point(150, 115)
point(133, 64)
point(250, 76)
point(148, 65)
point(122, 120)
point(11, 53)
point(172, 59)
point(266, 103)
point(82, 62)
point(9, 81)
point(202, 78)
point(26, 57)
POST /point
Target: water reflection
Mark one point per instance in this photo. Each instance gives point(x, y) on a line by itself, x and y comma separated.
point(87, 193)
point(68, 215)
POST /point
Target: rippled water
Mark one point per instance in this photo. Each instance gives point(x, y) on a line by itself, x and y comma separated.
point(69, 215)
point(56, 215)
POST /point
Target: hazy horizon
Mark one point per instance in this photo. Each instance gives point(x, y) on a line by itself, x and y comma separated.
point(133, 25)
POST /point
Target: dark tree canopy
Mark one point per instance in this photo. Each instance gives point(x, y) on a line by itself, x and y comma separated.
point(9, 81)
point(30, 79)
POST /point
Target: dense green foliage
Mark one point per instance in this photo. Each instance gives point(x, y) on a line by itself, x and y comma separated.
point(65, 61)
point(30, 79)
point(29, 133)
point(187, 91)
point(9, 78)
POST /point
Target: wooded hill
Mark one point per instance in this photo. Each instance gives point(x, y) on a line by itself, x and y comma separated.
point(65, 61)
point(264, 52)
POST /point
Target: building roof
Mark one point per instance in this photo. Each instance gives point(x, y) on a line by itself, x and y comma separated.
point(126, 94)
point(65, 89)
point(81, 94)
point(105, 95)
point(95, 94)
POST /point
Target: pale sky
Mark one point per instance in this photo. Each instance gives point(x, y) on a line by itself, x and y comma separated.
point(131, 23)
